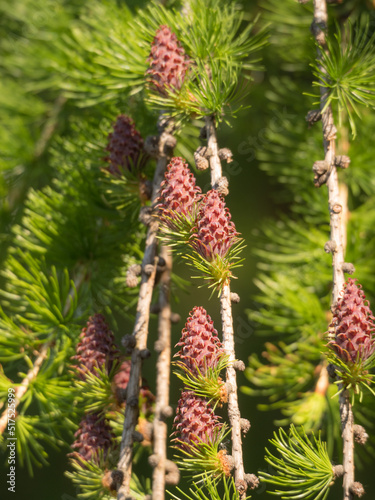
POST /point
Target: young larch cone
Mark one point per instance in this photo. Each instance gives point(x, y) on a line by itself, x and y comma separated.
point(168, 62)
point(125, 145)
point(96, 348)
point(200, 346)
point(179, 194)
point(354, 325)
point(215, 232)
point(195, 422)
point(94, 435)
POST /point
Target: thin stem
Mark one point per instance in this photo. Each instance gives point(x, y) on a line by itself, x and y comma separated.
point(228, 334)
point(162, 377)
point(140, 331)
point(337, 237)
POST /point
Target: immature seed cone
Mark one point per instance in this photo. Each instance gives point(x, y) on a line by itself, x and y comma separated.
point(215, 232)
point(125, 146)
point(179, 194)
point(96, 348)
point(200, 346)
point(168, 62)
point(195, 422)
point(354, 325)
point(93, 436)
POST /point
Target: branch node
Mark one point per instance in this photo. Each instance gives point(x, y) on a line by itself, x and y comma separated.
point(112, 479)
point(159, 346)
point(314, 115)
point(338, 471)
point(245, 425)
point(222, 186)
point(148, 269)
point(128, 341)
point(145, 215)
point(252, 480)
point(337, 208)
point(169, 145)
point(167, 412)
point(357, 489)
point(330, 247)
point(175, 318)
point(241, 487)
point(138, 436)
point(239, 365)
point(342, 161)
point(151, 145)
point(133, 401)
point(172, 476)
point(144, 353)
point(360, 434)
point(234, 297)
point(320, 167)
point(225, 154)
point(348, 268)
point(154, 460)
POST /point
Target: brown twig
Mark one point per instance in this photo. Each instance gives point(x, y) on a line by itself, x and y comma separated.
point(228, 332)
point(319, 27)
point(160, 429)
point(140, 331)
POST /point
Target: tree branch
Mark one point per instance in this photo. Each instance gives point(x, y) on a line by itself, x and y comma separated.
point(140, 331)
point(160, 429)
point(228, 333)
point(336, 210)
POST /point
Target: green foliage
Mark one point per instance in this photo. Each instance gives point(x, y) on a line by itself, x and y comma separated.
point(303, 468)
point(347, 69)
point(95, 392)
point(209, 488)
point(201, 458)
point(206, 385)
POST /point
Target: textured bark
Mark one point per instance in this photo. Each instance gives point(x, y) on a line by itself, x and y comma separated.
point(160, 430)
point(338, 237)
point(140, 331)
point(228, 333)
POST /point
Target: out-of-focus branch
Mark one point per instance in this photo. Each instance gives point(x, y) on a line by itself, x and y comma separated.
point(162, 408)
point(140, 332)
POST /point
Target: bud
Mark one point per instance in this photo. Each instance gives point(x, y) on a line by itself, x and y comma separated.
point(354, 325)
point(200, 346)
point(96, 348)
point(125, 145)
point(195, 422)
point(93, 436)
point(215, 232)
point(168, 62)
point(178, 194)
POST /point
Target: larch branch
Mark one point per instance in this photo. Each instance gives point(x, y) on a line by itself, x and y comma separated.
point(160, 429)
point(140, 331)
point(336, 211)
point(228, 332)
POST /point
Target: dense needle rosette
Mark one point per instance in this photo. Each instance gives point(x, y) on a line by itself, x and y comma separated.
point(168, 62)
point(93, 436)
point(97, 347)
point(179, 193)
point(215, 232)
point(354, 325)
point(195, 422)
point(125, 145)
point(200, 346)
